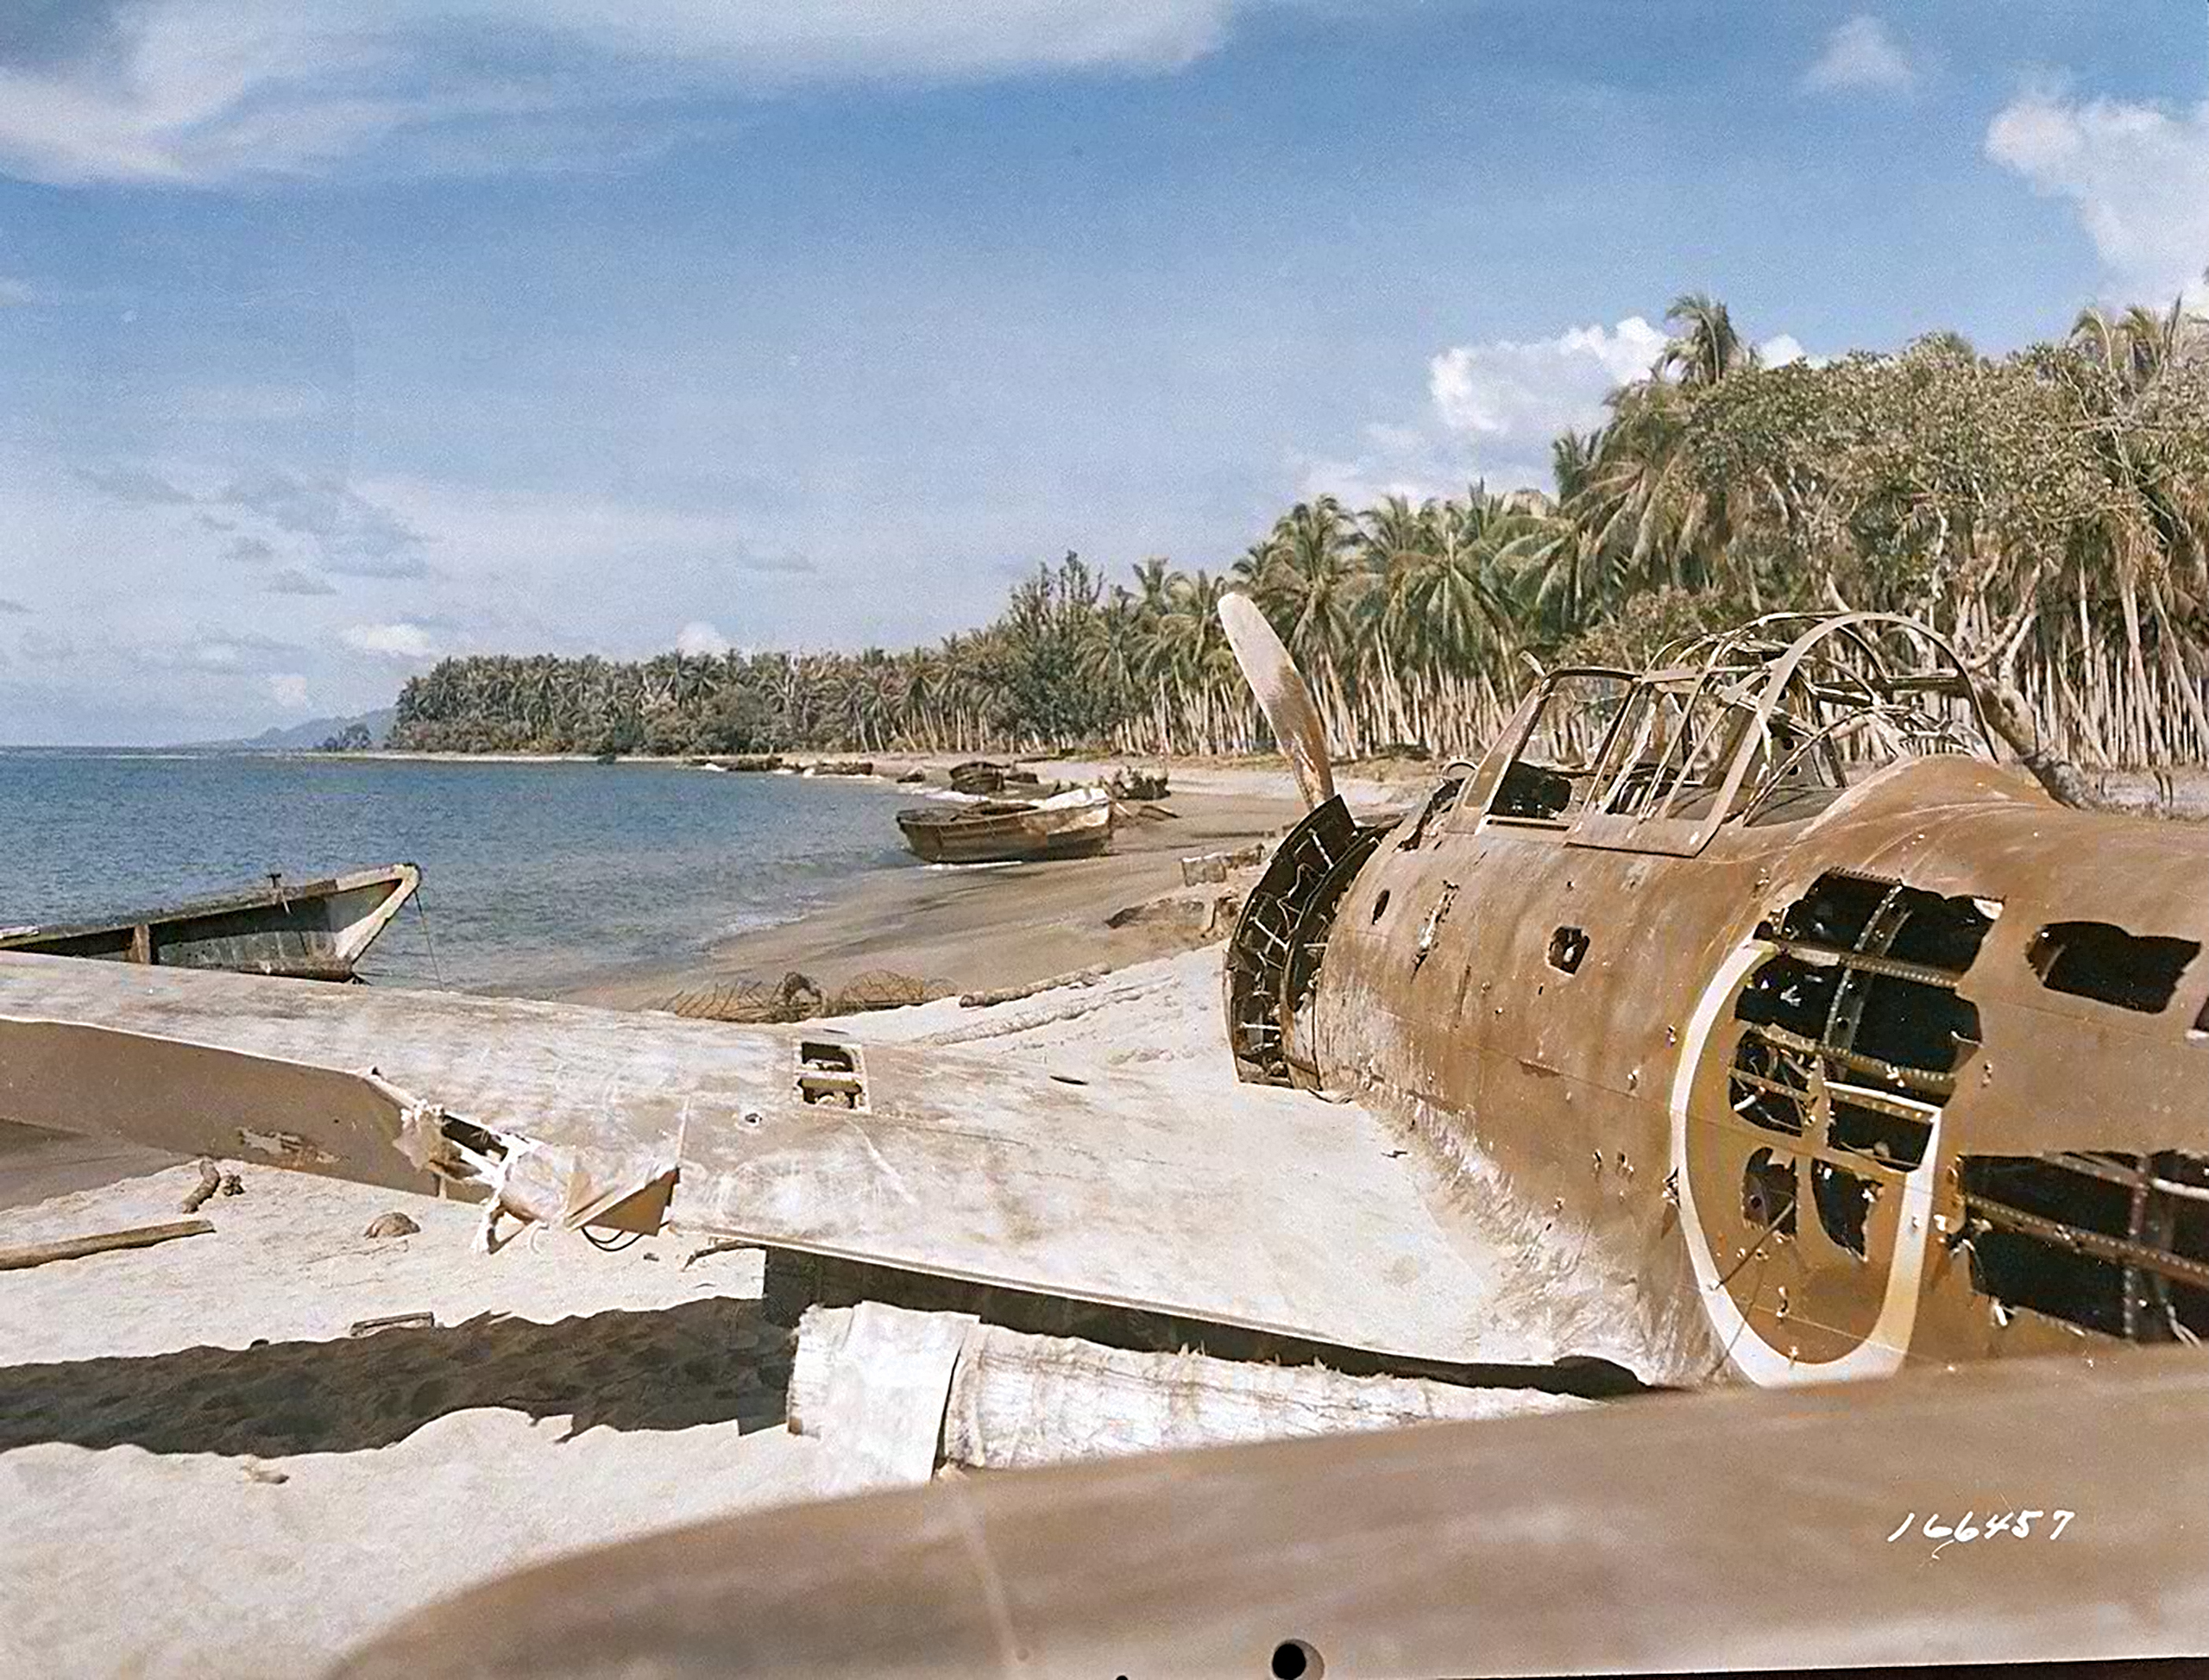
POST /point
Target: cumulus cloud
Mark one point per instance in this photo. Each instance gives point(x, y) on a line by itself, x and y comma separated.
point(401, 641)
point(253, 550)
point(2137, 175)
point(1863, 53)
point(289, 690)
point(12, 607)
point(17, 294)
point(1496, 408)
point(700, 637)
point(198, 91)
point(296, 580)
point(1512, 390)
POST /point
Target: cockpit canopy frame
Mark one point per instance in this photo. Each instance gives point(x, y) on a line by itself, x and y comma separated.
point(1770, 721)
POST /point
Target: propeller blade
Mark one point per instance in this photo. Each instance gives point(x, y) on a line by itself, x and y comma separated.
point(1281, 696)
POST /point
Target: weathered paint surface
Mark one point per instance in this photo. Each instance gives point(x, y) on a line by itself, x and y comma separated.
point(1684, 1533)
point(314, 929)
point(1573, 1014)
point(1275, 1213)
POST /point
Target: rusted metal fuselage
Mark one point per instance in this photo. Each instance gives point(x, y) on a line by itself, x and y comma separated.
point(1816, 1040)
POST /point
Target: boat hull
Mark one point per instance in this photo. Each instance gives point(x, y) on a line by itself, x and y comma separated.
point(314, 931)
point(1026, 833)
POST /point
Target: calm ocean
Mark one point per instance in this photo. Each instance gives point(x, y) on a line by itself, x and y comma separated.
point(534, 876)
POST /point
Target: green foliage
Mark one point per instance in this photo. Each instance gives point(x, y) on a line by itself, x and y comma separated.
point(2048, 511)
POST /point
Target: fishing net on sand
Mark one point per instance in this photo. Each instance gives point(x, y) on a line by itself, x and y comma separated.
point(796, 997)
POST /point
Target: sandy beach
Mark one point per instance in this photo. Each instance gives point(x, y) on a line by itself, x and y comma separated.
point(207, 1474)
point(963, 929)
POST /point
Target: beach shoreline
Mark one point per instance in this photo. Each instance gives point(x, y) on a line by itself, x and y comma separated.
point(962, 927)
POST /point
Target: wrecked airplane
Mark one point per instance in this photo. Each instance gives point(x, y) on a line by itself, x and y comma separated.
point(1749, 992)
point(1754, 983)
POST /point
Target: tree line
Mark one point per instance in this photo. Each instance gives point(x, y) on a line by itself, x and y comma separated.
point(2047, 510)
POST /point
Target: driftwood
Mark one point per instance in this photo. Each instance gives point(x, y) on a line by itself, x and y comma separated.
point(877, 1383)
point(76, 1248)
point(393, 1321)
point(977, 1000)
point(213, 1181)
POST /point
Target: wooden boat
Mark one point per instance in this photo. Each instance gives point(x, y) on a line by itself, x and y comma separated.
point(985, 777)
point(314, 931)
point(1074, 824)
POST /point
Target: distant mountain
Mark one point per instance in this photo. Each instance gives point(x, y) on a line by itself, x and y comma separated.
point(304, 737)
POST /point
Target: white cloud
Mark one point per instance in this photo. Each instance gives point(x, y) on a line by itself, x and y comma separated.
point(390, 641)
point(2137, 174)
point(700, 637)
point(210, 90)
point(1529, 392)
point(289, 691)
point(1496, 407)
point(17, 294)
point(1394, 461)
point(1862, 53)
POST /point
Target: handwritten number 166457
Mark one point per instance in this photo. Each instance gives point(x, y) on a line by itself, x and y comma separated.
point(2019, 1523)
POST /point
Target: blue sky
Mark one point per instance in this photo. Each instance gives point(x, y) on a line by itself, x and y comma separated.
point(577, 325)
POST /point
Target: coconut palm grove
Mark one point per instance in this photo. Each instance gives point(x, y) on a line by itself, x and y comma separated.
point(2048, 510)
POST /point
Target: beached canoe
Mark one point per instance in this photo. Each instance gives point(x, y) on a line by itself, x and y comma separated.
point(985, 777)
point(1074, 824)
point(313, 930)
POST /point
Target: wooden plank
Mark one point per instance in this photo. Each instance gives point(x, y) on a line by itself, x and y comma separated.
point(77, 1247)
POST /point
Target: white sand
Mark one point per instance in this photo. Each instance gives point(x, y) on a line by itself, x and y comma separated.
point(201, 1474)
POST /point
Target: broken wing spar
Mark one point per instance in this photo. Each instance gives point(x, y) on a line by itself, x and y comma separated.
point(1269, 1212)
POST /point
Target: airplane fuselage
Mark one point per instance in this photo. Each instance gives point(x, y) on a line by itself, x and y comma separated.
point(1923, 1075)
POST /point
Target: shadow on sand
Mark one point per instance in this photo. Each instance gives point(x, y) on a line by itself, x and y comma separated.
point(704, 1362)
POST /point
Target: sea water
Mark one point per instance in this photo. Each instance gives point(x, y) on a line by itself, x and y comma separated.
point(534, 876)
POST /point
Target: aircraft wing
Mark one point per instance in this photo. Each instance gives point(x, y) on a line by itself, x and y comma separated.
point(1259, 1209)
point(1742, 1529)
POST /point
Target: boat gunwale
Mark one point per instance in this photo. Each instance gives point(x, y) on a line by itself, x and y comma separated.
point(347, 942)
